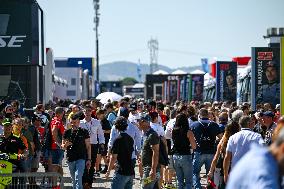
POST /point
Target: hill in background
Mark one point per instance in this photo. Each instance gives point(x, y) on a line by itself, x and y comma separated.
point(120, 69)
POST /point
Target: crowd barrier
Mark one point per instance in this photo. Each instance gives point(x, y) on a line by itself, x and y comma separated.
point(37, 180)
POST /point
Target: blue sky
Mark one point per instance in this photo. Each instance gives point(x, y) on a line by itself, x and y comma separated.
point(187, 30)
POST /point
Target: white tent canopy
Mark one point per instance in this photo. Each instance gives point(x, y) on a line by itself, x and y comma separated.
point(197, 72)
point(160, 72)
point(179, 72)
point(108, 96)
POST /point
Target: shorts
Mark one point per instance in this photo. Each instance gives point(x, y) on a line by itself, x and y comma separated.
point(103, 151)
point(57, 156)
point(94, 151)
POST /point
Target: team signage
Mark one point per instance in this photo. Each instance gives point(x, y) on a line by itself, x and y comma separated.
point(196, 87)
point(12, 41)
point(282, 76)
point(265, 76)
point(21, 33)
point(226, 81)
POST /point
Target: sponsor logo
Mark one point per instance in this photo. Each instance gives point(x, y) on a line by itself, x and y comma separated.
point(14, 41)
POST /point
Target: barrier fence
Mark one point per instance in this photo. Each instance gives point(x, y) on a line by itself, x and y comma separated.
point(37, 180)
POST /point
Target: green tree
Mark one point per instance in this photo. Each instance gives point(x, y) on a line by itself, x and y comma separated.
point(129, 81)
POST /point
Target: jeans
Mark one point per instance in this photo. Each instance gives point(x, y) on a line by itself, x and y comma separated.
point(122, 181)
point(89, 174)
point(183, 168)
point(76, 169)
point(198, 160)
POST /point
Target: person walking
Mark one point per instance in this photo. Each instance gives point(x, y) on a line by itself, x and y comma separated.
point(260, 167)
point(183, 142)
point(76, 141)
point(205, 133)
point(94, 128)
point(132, 131)
point(57, 131)
point(150, 154)
point(239, 144)
point(121, 154)
point(216, 172)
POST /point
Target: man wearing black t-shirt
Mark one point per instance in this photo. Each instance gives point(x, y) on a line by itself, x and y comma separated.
point(150, 153)
point(121, 152)
point(77, 142)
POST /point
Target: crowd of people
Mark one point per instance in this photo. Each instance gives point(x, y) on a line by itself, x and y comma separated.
point(169, 143)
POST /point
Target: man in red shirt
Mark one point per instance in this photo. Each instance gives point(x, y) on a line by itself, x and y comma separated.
point(57, 130)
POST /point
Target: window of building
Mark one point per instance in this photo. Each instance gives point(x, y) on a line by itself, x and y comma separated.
point(73, 81)
point(71, 93)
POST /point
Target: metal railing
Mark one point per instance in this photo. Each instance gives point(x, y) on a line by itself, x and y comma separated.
point(36, 180)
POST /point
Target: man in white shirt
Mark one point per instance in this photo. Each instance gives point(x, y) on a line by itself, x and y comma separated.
point(239, 144)
point(93, 126)
point(155, 125)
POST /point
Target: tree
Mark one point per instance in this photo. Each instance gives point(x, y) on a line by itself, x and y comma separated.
point(129, 81)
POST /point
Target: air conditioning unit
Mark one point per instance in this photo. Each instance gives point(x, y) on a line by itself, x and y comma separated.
point(281, 31)
point(271, 32)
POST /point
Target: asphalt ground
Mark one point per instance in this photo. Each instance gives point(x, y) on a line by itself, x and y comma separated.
point(100, 182)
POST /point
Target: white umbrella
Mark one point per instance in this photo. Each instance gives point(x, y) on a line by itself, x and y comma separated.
point(108, 96)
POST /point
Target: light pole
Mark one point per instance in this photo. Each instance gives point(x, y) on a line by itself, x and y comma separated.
point(96, 22)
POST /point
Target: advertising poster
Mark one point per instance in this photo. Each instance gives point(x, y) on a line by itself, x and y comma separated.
point(21, 33)
point(265, 76)
point(282, 76)
point(226, 81)
point(196, 87)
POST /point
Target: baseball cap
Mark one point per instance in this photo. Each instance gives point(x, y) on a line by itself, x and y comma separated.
point(277, 107)
point(268, 113)
point(7, 122)
point(124, 112)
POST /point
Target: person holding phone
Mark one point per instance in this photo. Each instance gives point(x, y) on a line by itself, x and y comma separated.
point(76, 141)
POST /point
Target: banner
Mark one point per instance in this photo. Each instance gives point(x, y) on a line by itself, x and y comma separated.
point(265, 76)
point(282, 76)
point(196, 87)
point(21, 33)
point(226, 81)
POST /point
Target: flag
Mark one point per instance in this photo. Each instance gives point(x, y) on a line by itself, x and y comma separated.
point(139, 71)
point(204, 63)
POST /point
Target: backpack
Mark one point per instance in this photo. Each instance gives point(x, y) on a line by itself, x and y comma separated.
point(207, 141)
